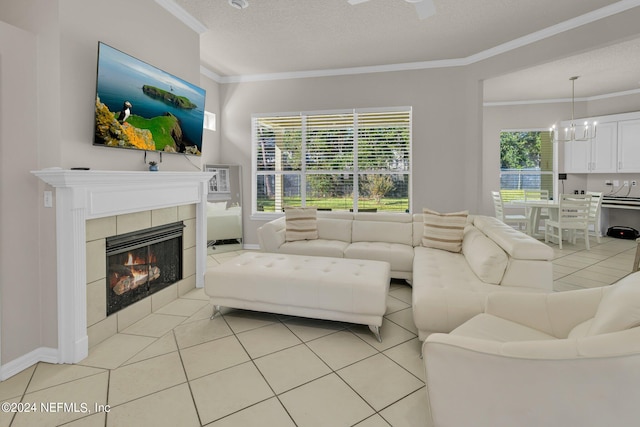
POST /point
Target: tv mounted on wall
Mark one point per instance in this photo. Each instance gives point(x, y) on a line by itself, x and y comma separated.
point(141, 107)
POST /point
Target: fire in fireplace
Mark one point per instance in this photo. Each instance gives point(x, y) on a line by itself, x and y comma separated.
point(142, 263)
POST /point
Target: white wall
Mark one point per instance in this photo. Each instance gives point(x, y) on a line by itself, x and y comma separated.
point(46, 120)
point(440, 143)
point(19, 278)
point(211, 139)
point(139, 28)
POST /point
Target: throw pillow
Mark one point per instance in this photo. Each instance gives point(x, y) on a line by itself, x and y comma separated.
point(443, 230)
point(300, 224)
point(620, 307)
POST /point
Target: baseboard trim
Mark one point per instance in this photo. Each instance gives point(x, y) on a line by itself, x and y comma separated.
point(251, 246)
point(41, 354)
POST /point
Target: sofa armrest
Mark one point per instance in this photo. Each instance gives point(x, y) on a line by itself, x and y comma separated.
point(272, 235)
point(553, 313)
point(528, 383)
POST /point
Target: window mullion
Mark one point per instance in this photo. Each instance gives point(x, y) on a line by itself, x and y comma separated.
point(356, 178)
point(303, 161)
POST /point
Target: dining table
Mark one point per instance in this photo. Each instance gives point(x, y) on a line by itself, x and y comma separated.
point(534, 209)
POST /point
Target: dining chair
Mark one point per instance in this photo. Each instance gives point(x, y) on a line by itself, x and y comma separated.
point(511, 219)
point(536, 194)
point(594, 212)
point(573, 216)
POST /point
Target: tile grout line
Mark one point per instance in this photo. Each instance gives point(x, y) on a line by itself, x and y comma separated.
point(184, 370)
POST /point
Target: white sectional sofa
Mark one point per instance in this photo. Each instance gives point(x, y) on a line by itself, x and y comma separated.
point(448, 288)
point(373, 236)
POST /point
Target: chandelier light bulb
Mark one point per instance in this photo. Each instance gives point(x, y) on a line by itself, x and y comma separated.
point(572, 129)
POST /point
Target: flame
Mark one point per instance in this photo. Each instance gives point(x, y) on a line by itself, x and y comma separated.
point(137, 271)
point(138, 267)
point(131, 261)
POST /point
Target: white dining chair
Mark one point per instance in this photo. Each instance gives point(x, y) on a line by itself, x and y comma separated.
point(512, 219)
point(536, 194)
point(594, 212)
point(573, 217)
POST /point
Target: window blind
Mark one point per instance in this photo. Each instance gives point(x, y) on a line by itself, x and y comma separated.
point(338, 160)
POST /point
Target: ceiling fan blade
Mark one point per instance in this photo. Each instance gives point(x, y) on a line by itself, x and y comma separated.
point(425, 9)
point(354, 2)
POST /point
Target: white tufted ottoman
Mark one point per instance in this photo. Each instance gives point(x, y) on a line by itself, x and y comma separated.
point(347, 290)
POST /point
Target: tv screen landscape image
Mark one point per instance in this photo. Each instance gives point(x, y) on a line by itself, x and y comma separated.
point(139, 106)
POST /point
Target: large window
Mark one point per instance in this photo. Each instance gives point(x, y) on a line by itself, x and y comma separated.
point(526, 162)
point(355, 160)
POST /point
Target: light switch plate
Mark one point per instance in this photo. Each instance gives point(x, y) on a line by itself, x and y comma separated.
point(48, 199)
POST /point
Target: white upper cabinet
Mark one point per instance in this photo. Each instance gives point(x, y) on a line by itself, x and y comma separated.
point(604, 148)
point(597, 155)
point(615, 148)
point(577, 156)
point(629, 146)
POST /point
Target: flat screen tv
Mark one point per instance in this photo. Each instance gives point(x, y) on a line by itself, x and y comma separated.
point(141, 107)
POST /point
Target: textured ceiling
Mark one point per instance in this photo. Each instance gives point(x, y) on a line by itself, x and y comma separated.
point(601, 71)
point(284, 36)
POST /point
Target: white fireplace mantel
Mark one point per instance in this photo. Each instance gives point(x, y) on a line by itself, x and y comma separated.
point(89, 194)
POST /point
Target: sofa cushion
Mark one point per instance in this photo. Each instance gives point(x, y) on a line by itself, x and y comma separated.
point(398, 255)
point(318, 247)
point(443, 230)
point(382, 227)
point(487, 260)
point(334, 229)
point(619, 308)
point(581, 330)
point(488, 327)
point(301, 224)
point(517, 244)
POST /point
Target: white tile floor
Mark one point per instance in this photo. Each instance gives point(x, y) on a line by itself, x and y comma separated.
point(179, 368)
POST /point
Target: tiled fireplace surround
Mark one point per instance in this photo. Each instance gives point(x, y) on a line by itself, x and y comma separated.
point(91, 205)
point(101, 327)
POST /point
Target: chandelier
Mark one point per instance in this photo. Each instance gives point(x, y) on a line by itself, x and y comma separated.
point(574, 132)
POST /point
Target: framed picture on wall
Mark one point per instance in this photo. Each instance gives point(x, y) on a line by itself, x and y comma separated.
point(219, 182)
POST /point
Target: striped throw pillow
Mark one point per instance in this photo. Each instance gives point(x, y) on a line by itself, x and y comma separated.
point(301, 224)
point(443, 230)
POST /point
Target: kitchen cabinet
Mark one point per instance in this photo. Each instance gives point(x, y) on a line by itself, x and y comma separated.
point(577, 156)
point(598, 155)
point(629, 146)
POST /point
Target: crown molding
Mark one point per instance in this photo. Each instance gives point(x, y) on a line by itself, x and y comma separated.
point(562, 100)
point(210, 74)
point(445, 63)
point(184, 16)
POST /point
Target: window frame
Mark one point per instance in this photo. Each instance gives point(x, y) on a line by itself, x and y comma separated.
point(554, 168)
point(356, 171)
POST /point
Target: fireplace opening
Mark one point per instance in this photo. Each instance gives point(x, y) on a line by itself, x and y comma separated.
point(142, 263)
